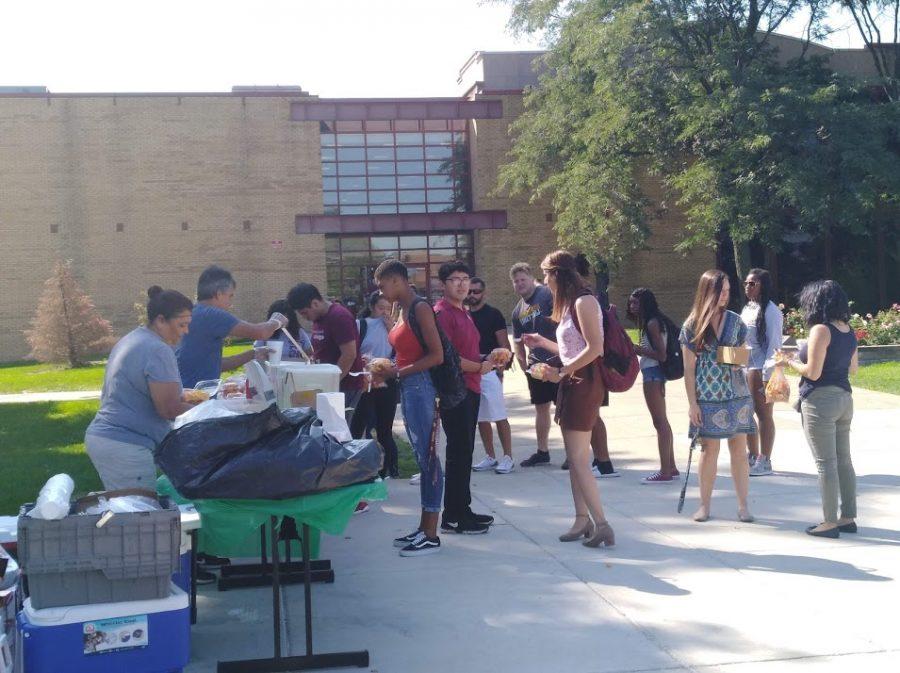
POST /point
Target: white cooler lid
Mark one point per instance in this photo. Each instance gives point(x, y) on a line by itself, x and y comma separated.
point(76, 614)
point(190, 517)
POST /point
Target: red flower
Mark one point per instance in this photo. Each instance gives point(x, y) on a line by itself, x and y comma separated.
point(862, 334)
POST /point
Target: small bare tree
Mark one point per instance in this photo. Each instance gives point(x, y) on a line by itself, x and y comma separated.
point(878, 24)
point(66, 326)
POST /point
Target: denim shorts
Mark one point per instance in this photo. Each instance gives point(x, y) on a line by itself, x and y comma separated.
point(654, 373)
point(417, 400)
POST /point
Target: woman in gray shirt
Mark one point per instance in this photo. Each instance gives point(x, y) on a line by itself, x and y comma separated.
point(141, 395)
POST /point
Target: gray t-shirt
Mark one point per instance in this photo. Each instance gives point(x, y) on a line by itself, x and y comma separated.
point(126, 411)
point(533, 315)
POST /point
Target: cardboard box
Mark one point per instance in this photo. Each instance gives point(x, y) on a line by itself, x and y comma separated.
point(733, 355)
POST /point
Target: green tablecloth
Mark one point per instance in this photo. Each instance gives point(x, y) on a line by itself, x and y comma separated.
point(231, 527)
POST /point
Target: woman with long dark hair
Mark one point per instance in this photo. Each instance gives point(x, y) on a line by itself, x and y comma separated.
point(654, 329)
point(579, 342)
point(289, 352)
point(764, 325)
point(825, 363)
point(720, 402)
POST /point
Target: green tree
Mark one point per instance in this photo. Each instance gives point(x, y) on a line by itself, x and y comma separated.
point(692, 93)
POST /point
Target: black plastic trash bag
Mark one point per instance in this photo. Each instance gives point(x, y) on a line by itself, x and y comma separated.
point(267, 455)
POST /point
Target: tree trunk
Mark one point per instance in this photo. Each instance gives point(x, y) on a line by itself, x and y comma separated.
point(881, 266)
point(742, 260)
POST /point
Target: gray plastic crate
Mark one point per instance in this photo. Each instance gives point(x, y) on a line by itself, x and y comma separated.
point(72, 562)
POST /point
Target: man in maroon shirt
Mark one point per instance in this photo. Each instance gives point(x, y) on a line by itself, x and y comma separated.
point(460, 422)
point(335, 340)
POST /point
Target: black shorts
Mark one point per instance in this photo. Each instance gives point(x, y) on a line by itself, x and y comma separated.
point(541, 392)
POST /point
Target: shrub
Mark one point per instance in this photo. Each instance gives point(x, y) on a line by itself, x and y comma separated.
point(880, 329)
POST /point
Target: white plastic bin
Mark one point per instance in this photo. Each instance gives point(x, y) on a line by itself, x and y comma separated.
point(297, 383)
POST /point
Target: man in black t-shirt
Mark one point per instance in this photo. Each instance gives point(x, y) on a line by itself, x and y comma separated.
point(492, 329)
point(533, 314)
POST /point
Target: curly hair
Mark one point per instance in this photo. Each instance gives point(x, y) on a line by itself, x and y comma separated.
point(823, 301)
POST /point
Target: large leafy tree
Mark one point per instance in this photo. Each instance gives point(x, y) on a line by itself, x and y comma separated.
point(693, 94)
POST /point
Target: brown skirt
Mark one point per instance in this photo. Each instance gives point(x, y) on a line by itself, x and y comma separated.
point(579, 398)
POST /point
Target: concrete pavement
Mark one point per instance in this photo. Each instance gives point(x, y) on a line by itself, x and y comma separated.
point(672, 595)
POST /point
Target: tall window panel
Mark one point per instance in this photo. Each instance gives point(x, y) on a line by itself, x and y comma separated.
point(390, 167)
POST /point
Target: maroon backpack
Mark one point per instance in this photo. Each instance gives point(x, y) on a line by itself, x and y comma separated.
point(620, 365)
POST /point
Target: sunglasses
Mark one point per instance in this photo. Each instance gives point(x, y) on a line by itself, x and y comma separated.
point(476, 291)
point(750, 283)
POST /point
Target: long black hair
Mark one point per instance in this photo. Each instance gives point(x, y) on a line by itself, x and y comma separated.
point(823, 301)
point(281, 306)
point(648, 309)
point(764, 278)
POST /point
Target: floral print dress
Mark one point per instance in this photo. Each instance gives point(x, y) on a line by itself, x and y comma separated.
point(722, 392)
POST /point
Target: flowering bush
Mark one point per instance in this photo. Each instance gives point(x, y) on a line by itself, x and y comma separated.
point(881, 329)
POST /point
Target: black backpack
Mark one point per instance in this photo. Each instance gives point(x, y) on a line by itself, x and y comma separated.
point(673, 367)
point(447, 377)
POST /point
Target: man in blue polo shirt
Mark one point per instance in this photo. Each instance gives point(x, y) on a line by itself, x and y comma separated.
point(200, 351)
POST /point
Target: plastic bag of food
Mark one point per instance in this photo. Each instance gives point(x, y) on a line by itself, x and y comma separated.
point(777, 388)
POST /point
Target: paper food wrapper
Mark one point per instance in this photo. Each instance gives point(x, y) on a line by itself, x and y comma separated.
point(330, 410)
point(733, 355)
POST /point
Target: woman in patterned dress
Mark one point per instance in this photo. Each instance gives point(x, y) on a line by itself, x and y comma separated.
point(720, 403)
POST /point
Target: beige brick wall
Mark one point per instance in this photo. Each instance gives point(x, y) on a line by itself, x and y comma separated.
point(152, 163)
point(530, 236)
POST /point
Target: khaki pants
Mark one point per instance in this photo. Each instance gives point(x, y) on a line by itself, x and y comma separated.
point(826, 413)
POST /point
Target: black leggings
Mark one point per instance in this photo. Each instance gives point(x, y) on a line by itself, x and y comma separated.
point(383, 402)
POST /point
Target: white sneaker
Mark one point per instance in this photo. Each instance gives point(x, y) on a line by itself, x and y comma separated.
point(486, 464)
point(761, 468)
point(505, 466)
point(415, 479)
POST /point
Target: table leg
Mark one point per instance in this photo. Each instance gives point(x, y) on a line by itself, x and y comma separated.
point(310, 661)
point(193, 535)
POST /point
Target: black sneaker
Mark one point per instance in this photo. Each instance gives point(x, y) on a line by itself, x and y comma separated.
point(408, 539)
point(565, 465)
point(536, 458)
point(467, 526)
point(486, 519)
point(421, 546)
point(205, 577)
point(210, 561)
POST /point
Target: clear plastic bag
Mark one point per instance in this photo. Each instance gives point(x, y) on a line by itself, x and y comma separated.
point(778, 389)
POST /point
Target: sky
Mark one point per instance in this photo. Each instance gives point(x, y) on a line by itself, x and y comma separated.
point(331, 48)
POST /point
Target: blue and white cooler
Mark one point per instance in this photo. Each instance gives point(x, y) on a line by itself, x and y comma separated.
point(151, 636)
point(190, 520)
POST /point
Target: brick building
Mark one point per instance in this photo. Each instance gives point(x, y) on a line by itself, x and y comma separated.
point(279, 186)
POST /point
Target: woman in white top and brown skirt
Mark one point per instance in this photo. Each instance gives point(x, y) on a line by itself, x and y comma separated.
point(579, 342)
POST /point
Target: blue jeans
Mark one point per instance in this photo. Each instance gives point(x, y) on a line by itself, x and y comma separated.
point(417, 400)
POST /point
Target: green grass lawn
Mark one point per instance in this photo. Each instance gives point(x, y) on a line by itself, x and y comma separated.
point(883, 376)
point(38, 440)
point(31, 377)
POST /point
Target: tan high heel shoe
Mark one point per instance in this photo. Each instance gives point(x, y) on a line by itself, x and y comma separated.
point(603, 534)
point(585, 531)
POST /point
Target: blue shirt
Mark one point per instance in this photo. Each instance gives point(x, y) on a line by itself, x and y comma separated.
point(200, 351)
point(126, 411)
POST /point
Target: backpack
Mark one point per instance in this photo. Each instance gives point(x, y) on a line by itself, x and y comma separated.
point(620, 365)
point(673, 367)
point(447, 377)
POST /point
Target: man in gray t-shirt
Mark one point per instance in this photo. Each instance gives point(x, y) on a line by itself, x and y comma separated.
point(533, 314)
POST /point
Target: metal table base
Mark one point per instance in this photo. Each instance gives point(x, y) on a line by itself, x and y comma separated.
point(309, 661)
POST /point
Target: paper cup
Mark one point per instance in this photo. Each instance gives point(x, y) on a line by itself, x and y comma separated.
point(274, 352)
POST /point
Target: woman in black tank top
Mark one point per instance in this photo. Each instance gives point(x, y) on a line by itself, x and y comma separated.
point(825, 363)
